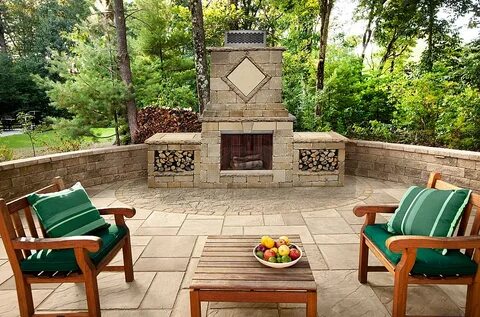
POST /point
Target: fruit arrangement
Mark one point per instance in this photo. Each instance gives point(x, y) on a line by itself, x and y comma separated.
point(280, 251)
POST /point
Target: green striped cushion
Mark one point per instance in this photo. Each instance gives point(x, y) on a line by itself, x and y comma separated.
point(429, 212)
point(67, 213)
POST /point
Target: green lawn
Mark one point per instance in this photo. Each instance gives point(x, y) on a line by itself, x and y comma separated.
point(22, 148)
point(20, 141)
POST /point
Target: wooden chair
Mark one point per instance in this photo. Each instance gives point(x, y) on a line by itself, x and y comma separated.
point(18, 246)
point(408, 245)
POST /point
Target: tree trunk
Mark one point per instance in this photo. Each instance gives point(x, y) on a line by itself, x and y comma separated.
point(431, 22)
point(388, 50)
point(124, 65)
point(203, 87)
point(3, 42)
point(325, 10)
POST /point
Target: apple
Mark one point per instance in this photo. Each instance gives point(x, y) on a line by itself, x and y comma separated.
point(294, 254)
point(268, 254)
point(280, 242)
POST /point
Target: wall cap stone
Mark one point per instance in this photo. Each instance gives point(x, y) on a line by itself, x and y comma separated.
point(68, 155)
point(318, 137)
point(468, 155)
point(290, 118)
point(175, 138)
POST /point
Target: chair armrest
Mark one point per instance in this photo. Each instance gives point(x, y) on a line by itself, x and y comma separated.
point(362, 210)
point(399, 243)
point(90, 243)
point(128, 212)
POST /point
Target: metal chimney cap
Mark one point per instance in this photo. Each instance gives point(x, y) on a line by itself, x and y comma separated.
point(246, 38)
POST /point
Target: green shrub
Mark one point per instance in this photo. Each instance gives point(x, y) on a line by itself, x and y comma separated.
point(6, 154)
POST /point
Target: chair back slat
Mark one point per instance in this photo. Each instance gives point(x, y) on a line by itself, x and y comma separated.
point(30, 222)
point(18, 225)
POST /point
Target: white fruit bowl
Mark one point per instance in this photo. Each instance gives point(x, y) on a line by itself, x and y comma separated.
point(278, 265)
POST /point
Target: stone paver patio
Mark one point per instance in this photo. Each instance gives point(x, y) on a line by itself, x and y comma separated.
point(170, 229)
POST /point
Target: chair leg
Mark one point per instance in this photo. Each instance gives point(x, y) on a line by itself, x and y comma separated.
point(25, 298)
point(93, 298)
point(127, 260)
point(363, 261)
point(472, 308)
point(400, 290)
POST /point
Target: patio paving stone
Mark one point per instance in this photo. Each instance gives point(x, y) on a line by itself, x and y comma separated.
point(255, 220)
point(321, 213)
point(241, 312)
point(152, 231)
point(192, 265)
point(293, 219)
point(137, 312)
point(340, 294)
point(439, 304)
point(170, 247)
point(182, 305)
point(336, 238)
point(114, 293)
point(163, 219)
point(9, 303)
point(273, 220)
point(328, 225)
point(161, 264)
point(163, 291)
point(197, 250)
point(201, 227)
point(232, 231)
point(340, 256)
point(3, 253)
point(5, 272)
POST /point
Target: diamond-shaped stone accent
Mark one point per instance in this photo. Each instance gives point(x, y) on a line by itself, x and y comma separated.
point(246, 76)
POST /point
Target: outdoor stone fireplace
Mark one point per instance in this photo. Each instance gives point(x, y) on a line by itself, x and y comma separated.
point(247, 137)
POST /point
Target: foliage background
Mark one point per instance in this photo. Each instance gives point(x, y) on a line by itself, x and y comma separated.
point(420, 84)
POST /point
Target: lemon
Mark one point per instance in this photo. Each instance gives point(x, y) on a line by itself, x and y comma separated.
point(267, 241)
point(283, 250)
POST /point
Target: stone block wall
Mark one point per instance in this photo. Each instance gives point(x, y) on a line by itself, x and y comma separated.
point(90, 167)
point(412, 164)
point(264, 101)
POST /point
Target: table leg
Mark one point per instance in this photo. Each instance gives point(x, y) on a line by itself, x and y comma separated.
point(195, 305)
point(311, 304)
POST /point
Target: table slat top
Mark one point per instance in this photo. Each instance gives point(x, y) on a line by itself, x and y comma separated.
point(227, 263)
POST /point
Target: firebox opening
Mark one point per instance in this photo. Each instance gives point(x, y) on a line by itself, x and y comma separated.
point(246, 151)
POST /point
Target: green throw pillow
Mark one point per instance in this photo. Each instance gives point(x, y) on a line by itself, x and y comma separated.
point(429, 212)
point(67, 213)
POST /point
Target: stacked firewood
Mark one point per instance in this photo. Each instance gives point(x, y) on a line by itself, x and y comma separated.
point(153, 120)
point(173, 161)
point(318, 160)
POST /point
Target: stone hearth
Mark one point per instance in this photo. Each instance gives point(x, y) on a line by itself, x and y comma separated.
point(247, 137)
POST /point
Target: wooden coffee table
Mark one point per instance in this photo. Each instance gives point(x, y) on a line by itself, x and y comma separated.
point(228, 272)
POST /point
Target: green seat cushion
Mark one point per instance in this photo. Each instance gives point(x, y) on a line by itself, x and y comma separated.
point(429, 212)
point(428, 262)
point(67, 213)
point(64, 260)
